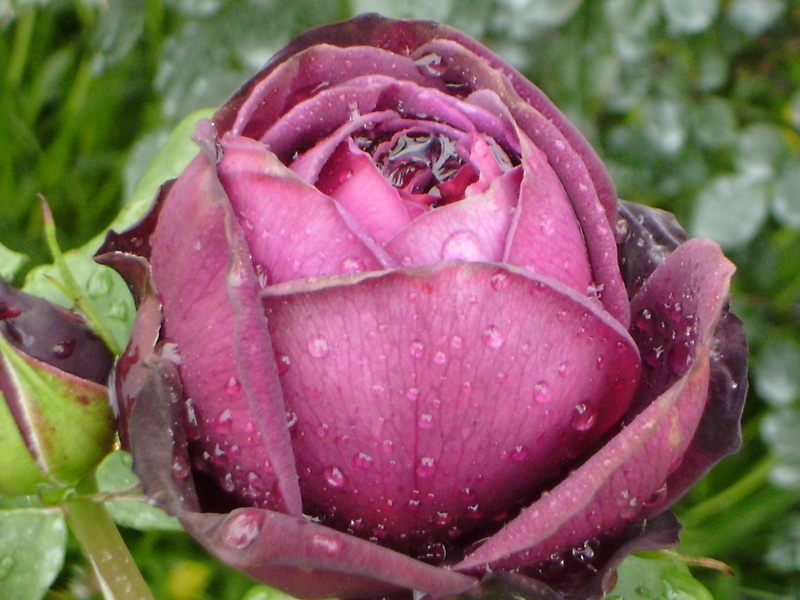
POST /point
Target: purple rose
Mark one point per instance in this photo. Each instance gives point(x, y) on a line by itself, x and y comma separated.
point(397, 333)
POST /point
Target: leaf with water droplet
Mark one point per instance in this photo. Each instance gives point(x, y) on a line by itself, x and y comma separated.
point(656, 576)
point(32, 548)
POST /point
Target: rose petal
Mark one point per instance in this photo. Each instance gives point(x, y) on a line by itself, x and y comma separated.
point(392, 422)
point(473, 229)
point(211, 311)
point(351, 178)
point(292, 229)
point(545, 237)
point(554, 135)
point(305, 559)
point(610, 488)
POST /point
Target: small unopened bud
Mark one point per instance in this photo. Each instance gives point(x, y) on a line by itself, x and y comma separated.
point(56, 423)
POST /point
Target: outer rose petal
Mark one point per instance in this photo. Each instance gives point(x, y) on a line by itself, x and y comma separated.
point(393, 425)
point(610, 488)
point(211, 311)
point(304, 558)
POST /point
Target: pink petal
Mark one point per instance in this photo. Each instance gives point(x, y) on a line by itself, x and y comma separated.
point(545, 237)
point(624, 478)
point(554, 135)
point(212, 312)
point(473, 229)
point(351, 178)
point(292, 229)
point(281, 85)
point(430, 401)
point(308, 560)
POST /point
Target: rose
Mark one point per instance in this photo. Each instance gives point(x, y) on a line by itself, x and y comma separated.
point(395, 332)
point(55, 419)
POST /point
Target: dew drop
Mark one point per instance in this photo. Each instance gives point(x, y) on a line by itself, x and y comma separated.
point(492, 337)
point(474, 512)
point(431, 64)
point(563, 368)
point(629, 505)
point(456, 342)
point(462, 245)
point(657, 497)
point(334, 476)
point(412, 394)
point(283, 361)
point(413, 505)
point(584, 417)
point(318, 346)
point(680, 357)
point(180, 466)
point(232, 386)
point(243, 529)
point(291, 419)
point(362, 460)
point(64, 349)
point(439, 357)
point(467, 494)
point(541, 392)
point(352, 265)
point(426, 467)
point(322, 431)
point(329, 544)
point(425, 421)
point(518, 453)
point(387, 446)
point(499, 281)
point(563, 315)
point(644, 321)
point(417, 349)
point(224, 421)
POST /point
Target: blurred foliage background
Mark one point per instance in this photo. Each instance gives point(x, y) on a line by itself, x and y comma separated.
point(694, 104)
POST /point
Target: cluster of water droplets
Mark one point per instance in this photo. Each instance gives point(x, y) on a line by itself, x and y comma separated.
point(666, 336)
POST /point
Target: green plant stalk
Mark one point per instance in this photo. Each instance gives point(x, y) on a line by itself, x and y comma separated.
point(73, 291)
point(728, 497)
point(102, 543)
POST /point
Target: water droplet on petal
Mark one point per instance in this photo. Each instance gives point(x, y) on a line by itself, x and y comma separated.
point(456, 341)
point(518, 453)
point(412, 394)
point(499, 281)
point(64, 349)
point(541, 392)
point(334, 476)
point(584, 417)
point(388, 446)
point(439, 357)
point(644, 321)
point(224, 421)
point(352, 265)
point(425, 421)
point(658, 497)
point(563, 368)
point(462, 245)
point(242, 529)
point(492, 337)
point(283, 361)
point(562, 315)
point(232, 386)
point(426, 467)
point(329, 544)
point(322, 431)
point(362, 460)
point(318, 346)
point(417, 349)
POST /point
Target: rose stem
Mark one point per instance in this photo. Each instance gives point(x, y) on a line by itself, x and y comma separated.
point(105, 548)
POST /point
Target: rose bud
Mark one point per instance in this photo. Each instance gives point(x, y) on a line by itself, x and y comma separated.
point(396, 333)
point(56, 422)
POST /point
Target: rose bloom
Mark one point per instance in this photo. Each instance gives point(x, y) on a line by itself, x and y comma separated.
point(397, 334)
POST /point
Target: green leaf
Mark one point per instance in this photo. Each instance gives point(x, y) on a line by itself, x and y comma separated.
point(10, 262)
point(104, 286)
point(114, 474)
point(656, 576)
point(730, 209)
point(32, 548)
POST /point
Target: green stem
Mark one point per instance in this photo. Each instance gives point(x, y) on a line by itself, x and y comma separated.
point(73, 291)
point(728, 497)
point(104, 546)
